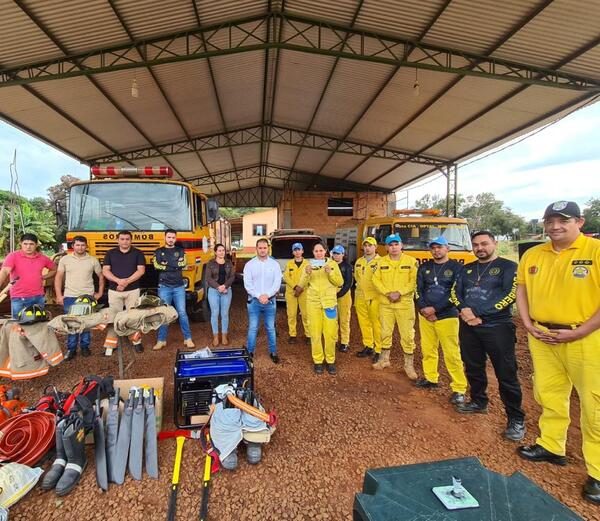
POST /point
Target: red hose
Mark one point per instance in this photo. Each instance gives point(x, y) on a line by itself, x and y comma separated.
point(27, 437)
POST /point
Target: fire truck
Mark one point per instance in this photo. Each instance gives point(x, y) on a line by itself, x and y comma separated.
point(415, 227)
point(147, 201)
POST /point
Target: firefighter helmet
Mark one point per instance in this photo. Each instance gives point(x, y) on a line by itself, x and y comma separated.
point(148, 301)
point(32, 314)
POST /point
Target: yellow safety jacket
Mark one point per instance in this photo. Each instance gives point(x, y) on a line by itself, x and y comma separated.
point(363, 274)
point(322, 287)
point(400, 275)
point(292, 274)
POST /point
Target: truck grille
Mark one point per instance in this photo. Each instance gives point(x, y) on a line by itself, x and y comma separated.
point(101, 248)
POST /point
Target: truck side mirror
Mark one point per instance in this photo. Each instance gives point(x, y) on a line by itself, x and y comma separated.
point(212, 210)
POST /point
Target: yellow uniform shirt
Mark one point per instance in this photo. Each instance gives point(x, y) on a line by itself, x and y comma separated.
point(322, 287)
point(292, 274)
point(363, 274)
point(400, 275)
point(562, 287)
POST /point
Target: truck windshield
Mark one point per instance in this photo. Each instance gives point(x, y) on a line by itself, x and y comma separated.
point(129, 206)
point(416, 236)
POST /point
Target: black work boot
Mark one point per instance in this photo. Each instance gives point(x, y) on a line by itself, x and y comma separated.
point(71, 353)
point(515, 430)
point(74, 445)
point(423, 383)
point(376, 358)
point(318, 368)
point(471, 408)
point(344, 348)
point(591, 490)
point(85, 351)
point(58, 466)
point(367, 351)
point(538, 453)
point(331, 369)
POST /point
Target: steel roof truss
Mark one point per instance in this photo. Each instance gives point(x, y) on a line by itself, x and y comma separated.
point(304, 35)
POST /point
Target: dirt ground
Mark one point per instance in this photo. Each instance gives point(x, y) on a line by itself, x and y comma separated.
point(332, 428)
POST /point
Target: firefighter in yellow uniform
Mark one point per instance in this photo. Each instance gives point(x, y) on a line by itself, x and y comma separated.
point(295, 296)
point(558, 296)
point(366, 300)
point(321, 280)
point(396, 280)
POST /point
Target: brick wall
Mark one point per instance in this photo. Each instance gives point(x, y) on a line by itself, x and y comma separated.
point(309, 209)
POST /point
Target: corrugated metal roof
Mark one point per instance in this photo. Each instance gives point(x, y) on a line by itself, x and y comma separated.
point(365, 102)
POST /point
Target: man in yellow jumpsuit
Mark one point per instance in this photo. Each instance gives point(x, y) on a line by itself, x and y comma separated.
point(558, 296)
point(295, 297)
point(321, 279)
point(366, 301)
point(396, 280)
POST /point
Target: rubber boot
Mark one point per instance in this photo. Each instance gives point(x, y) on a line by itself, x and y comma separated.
point(231, 461)
point(58, 466)
point(215, 340)
point(74, 445)
point(384, 360)
point(409, 367)
point(224, 339)
point(253, 452)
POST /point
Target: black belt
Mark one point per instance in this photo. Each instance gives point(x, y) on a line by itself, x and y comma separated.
point(551, 325)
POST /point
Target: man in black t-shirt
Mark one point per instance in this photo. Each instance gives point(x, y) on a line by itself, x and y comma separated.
point(169, 261)
point(484, 293)
point(123, 267)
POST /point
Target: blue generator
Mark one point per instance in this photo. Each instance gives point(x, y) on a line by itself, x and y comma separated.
point(196, 379)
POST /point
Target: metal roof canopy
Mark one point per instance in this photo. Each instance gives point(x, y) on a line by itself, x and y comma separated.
point(245, 98)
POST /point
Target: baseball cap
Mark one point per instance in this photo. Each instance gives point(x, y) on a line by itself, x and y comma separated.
point(439, 240)
point(338, 249)
point(393, 238)
point(564, 208)
point(297, 246)
point(371, 240)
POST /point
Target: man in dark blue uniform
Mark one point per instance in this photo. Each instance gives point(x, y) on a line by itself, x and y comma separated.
point(484, 294)
point(438, 319)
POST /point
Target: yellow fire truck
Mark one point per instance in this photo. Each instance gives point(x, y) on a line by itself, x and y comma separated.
point(415, 227)
point(146, 201)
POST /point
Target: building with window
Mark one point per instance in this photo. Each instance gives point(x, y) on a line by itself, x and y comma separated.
point(256, 225)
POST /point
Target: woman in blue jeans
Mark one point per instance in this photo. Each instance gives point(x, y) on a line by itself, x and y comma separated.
point(220, 275)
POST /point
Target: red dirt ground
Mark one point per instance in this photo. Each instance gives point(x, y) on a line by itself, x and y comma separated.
point(331, 430)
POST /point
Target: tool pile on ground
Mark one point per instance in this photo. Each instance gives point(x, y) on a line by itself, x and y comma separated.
point(331, 429)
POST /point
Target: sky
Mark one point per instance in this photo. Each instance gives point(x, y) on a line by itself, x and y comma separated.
point(559, 162)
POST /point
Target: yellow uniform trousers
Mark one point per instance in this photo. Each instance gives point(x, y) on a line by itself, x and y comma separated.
point(322, 327)
point(344, 306)
point(557, 368)
point(404, 316)
point(367, 312)
point(445, 333)
point(292, 304)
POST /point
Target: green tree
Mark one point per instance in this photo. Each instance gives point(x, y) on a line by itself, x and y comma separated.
point(234, 213)
point(57, 203)
point(40, 222)
point(592, 216)
point(482, 211)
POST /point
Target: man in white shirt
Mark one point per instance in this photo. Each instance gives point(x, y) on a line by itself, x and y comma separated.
point(262, 279)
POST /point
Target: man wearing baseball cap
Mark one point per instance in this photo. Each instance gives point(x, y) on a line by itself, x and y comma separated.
point(558, 296)
point(438, 319)
point(366, 300)
point(295, 296)
point(396, 280)
point(344, 297)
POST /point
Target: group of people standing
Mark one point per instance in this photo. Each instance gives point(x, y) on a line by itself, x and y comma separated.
point(464, 309)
